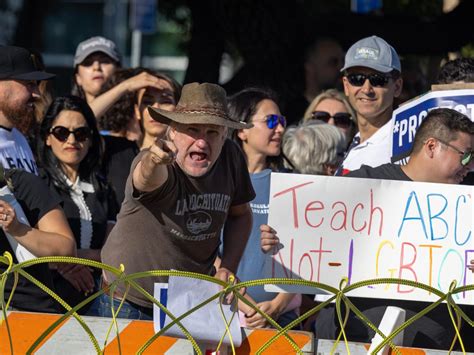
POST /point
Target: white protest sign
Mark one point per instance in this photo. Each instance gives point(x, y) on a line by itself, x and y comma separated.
point(334, 227)
point(205, 324)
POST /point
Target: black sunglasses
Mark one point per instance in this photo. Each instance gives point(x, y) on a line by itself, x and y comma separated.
point(273, 120)
point(81, 134)
point(341, 119)
point(376, 79)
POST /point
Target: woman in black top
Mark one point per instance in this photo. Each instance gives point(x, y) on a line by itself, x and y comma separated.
point(69, 152)
point(32, 224)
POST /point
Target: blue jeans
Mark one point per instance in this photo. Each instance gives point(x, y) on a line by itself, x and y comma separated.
point(128, 311)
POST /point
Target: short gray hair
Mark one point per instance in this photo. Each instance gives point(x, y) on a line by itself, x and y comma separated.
point(312, 145)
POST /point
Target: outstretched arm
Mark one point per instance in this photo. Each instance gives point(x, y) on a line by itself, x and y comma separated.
point(151, 172)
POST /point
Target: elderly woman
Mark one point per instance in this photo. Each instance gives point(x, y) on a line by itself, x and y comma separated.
point(313, 148)
point(332, 107)
point(69, 150)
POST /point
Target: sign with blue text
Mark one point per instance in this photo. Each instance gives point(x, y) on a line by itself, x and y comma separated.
point(407, 118)
point(361, 229)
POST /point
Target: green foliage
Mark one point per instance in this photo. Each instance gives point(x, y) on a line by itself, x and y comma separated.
point(174, 24)
point(468, 51)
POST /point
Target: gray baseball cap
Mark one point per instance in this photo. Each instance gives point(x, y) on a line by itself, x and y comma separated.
point(96, 44)
point(372, 52)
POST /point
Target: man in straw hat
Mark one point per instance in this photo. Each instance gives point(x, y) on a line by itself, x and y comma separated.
point(179, 195)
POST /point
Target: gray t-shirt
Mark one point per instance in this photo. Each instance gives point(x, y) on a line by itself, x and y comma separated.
point(176, 226)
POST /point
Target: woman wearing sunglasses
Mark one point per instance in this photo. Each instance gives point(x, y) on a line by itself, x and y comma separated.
point(332, 107)
point(69, 150)
point(261, 145)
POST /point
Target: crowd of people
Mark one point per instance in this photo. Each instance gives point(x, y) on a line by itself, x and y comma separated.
point(134, 169)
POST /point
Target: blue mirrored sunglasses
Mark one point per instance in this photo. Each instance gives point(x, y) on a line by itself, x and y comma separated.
point(273, 120)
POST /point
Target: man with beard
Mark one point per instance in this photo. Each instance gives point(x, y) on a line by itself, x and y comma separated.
point(18, 91)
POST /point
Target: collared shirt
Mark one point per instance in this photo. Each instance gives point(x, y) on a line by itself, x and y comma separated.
point(375, 151)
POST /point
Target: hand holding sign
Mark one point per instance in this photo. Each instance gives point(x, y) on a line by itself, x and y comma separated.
point(415, 231)
point(269, 242)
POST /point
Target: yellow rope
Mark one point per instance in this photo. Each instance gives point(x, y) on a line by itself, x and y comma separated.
point(339, 295)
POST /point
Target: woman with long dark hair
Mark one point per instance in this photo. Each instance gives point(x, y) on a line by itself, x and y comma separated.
point(261, 146)
point(69, 151)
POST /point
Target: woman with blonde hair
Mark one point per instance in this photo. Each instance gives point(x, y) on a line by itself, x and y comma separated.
point(332, 107)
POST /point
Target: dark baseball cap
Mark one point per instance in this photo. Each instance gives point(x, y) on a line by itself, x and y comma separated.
point(18, 63)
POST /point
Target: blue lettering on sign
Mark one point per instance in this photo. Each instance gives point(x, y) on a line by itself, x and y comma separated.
point(407, 121)
point(417, 216)
point(456, 223)
point(437, 216)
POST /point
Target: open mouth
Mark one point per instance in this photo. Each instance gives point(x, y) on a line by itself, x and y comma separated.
point(197, 156)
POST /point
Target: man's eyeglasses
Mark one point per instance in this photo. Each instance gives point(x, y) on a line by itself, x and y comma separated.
point(273, 120)
point(341, 119)
point(61, 133)
point(466, 157)
point(376, 79)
